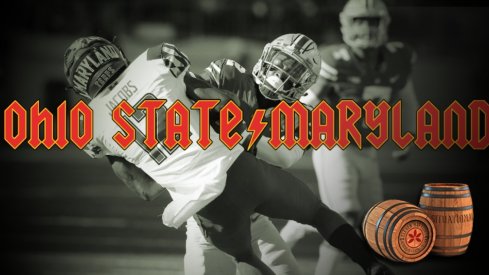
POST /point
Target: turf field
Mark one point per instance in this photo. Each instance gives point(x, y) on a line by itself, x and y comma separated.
point(66, 214)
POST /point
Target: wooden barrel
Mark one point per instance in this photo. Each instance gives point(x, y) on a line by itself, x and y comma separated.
point(449, 205)
point(399, 231)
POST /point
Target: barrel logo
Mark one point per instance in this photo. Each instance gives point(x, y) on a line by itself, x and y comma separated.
point(414, 237)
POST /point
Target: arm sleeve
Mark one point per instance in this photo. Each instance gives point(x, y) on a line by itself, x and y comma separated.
point(410, 105)
point(323, 89)
point(198, 89)
point(213, 73)
point(170, 59)
point(281, 157)
point(135, 179)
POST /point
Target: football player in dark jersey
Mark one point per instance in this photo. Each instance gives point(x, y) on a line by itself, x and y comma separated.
point(201, 257)
point(221, 198)
point(366, 67)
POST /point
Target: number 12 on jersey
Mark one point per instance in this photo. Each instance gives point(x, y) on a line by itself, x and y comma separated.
point(151, 142)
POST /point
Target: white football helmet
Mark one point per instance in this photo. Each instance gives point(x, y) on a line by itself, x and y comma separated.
point(288, 66)
point(364, 23)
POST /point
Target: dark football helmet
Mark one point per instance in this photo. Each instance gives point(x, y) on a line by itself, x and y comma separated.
point(91, 63)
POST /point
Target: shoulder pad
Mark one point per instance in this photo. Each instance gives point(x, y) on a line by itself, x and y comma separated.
point(213, 72)
point(335, 53)
point(171, 56)
point(222, 70)
point(330, 57)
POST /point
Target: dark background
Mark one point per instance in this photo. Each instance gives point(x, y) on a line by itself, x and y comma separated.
point(64, 213)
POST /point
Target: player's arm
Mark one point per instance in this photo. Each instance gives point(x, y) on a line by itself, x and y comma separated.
point(212, 82)
point(407, 97)
point(312, 96)
point(199, 89)
point(135, 179)
point(410, 105)
point(323, 89)
point(281, 157)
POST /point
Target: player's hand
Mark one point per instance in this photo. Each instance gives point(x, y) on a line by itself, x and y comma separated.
point(268, 119)
point(173, 216)
point(400, 155)
point(379, 269)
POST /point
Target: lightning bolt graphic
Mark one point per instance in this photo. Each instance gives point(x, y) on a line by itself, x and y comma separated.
point(256, 126)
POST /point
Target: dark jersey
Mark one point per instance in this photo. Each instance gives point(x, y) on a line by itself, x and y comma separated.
point(229, 75)
point(344, 76)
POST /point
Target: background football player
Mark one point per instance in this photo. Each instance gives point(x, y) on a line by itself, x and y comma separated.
point(222, 188)
point(366, 67)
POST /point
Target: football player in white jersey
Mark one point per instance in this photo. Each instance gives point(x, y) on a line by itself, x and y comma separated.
point(220, 187)
point(201, 257)
point(366, 67)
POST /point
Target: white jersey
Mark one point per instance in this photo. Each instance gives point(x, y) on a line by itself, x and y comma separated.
point(193, 176)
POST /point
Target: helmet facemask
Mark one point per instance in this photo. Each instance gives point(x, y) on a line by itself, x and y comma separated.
point(282, 75)
point(363, 25)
